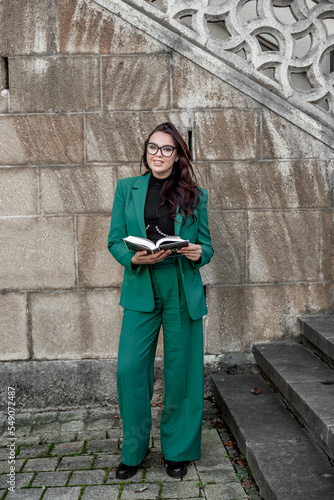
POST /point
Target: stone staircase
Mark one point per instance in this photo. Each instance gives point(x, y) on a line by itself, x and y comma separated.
point(283, 418)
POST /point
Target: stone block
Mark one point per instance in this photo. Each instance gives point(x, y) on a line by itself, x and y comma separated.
point(41, 464)
point(280, 184)
point(44, 84)
point(38, 252)
point(97, 267)
point(57, 478)
point(63, 493)
point(242, 315)
point(26, 27)
point(60, 385)
point(320, 298)
point(104, 492)
point(18, 191)
point(117, 136)
point(327, 244)
point(282, 139)
point(4, 101)
point(230, 134)
point(3, 74)
point(70, 190)
point(41, 139)
point(194, 87)
point(83, 27)
point(13, 327)
point(74, 325)
point(284, 246)
point(228, 233)
point(138, 82)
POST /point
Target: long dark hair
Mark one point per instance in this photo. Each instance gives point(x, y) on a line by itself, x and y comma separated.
point(181, 189)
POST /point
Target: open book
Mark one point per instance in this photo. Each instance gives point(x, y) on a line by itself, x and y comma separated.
point(167, 243)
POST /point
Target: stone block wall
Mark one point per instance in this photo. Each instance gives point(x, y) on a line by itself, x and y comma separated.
point(81, 89)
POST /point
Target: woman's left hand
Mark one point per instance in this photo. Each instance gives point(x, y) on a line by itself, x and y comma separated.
point(192, 251)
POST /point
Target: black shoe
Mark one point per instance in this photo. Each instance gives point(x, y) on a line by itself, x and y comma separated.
point(176, 469)
point(126, 471)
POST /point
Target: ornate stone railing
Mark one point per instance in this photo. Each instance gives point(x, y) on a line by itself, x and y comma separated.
point(285, 44)
point(267, 48)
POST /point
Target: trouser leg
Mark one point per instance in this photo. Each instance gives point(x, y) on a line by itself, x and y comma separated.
point(135, 378)
point(181, 421)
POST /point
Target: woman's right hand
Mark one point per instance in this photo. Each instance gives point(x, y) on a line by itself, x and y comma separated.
point(144, 257)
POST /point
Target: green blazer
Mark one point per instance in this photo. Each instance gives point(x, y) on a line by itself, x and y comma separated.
point(128, 220)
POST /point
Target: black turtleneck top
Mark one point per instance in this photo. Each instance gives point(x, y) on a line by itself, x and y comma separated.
point(157, 221)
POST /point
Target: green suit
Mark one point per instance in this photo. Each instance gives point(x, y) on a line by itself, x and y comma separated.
point(168, 293)
point(128, 219)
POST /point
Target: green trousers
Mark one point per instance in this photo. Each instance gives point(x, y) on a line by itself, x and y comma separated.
point(181, 419)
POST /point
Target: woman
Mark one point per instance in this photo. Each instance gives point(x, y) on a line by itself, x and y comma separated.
point(161, 289)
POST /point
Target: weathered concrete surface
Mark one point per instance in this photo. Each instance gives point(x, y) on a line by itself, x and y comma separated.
point(37, 252)
point(117, 136)
point(310, 393)
point(284, 246)
point(280, 140)
point(327, 244)
point(73, 383)
point(241, 315)
point(273, 442)
point(41, 139)
point(320, 298)
point(14, 326)
point(43, 84)
point(75, 325)
point(96, 266)
point(70, 190)
point(228, 232)
point(137, 82)
point(226, 134)
point(18, 191)
point(82, 27)
point(193, 87)
point(275, 184)
point(26, 27)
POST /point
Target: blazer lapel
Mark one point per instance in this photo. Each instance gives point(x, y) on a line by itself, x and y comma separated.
point(177, 223)
point(139, 191)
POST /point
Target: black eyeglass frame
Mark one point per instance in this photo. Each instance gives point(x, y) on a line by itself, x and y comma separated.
point(165, 146)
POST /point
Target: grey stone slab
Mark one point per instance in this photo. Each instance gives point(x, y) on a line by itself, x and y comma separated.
point(4, 452)
point(4, 466)
point(67, 448)
point(87, 477)
point(102, 445)
point(107, 461)
point(21, 480)
point(62, 493)
point(225, 491)
point(106, 492)
point(240, 405)
point(292, 471)
point(283, 468)
point(80, 462)
point(41, 464)
point(319, 330)
point(309, 392)
point(57, 478)
point(29, 494)
point(180, 489)
point(33, 451)
point(217, 474)
point(133, 491)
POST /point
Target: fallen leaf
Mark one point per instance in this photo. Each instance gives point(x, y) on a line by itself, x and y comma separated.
point(217, 423)
point(256, 391)
point(141, 489)
point(230, 443)
point(241, 462)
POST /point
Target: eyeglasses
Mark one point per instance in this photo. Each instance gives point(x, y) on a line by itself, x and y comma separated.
point(152, 149)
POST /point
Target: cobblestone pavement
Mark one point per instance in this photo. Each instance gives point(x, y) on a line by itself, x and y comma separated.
point(85, 468)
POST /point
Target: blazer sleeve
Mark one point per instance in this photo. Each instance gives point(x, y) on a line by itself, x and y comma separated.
point(203, 237)
point(118, 231)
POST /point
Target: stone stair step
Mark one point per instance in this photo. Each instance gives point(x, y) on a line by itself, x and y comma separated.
point(318, 334)
point(306, 385)
point(285, 462)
